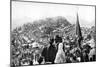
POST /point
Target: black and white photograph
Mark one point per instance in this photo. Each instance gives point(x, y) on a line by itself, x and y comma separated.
point(44, 33)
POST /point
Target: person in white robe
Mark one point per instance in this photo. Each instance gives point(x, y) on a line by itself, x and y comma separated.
point(35, 62)
point(60, 56)
point(92, 53)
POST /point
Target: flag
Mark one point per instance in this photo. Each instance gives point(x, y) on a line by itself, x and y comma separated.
point(78, 29)
point(78, 32)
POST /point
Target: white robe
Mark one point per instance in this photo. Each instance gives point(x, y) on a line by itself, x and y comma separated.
point(60, 56)
point(92, 52)
point(35, 62)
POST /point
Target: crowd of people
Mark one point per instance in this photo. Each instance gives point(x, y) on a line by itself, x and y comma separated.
point(59, 49)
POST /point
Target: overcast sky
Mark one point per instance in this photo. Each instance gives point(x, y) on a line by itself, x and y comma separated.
point(23, 12)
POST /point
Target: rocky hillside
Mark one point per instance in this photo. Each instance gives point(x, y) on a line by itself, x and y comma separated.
point(44, 28)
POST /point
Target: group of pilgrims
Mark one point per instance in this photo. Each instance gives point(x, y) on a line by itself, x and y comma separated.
point(58, 50)
point(62, 50)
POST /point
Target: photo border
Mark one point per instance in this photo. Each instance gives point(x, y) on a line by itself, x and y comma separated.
point(47, 3)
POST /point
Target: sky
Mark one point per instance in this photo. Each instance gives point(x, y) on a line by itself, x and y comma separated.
point(24, 12)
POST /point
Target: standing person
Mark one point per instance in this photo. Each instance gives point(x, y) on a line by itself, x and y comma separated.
point(35, 61)
point(92, 53)
point(60, 56)
point(49, 53)
point(58, 40)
